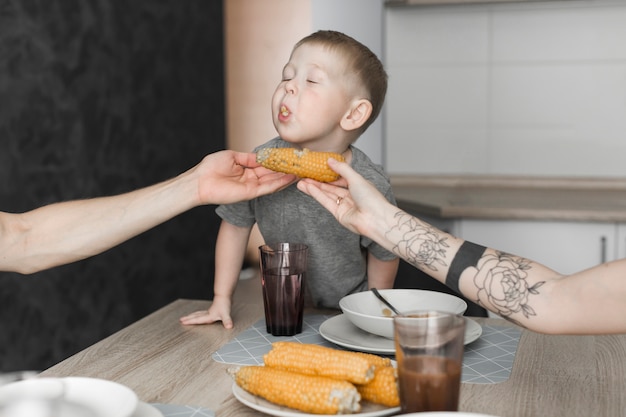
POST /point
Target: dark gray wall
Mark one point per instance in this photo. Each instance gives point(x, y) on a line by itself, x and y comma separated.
point(100, 97)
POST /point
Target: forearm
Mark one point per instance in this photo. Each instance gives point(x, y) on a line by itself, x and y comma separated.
point(69, 231)
point(230, 251)
point(506, 284)
point(415, 241)
point(381, 274)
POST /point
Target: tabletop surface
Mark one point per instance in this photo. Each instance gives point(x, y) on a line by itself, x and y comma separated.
point(167, 363)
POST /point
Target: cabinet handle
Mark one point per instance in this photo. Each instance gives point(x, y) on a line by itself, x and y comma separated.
point(603, 249)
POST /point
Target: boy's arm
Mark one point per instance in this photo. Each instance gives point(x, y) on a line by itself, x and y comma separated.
point(229, 254)
point(381, 274)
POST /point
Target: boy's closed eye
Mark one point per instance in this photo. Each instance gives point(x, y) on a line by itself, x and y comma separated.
point(287, 74)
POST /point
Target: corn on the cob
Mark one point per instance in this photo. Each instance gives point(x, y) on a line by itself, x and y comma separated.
point(311, 394)
point(383, 389)
point(320, 360)
point(303, 163)
point(374, 360)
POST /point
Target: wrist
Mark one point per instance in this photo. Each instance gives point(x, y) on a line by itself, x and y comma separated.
point(380, 222)
point(222, 298)
point(186, 189)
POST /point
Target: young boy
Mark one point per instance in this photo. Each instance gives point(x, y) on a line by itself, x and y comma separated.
point(332, 89)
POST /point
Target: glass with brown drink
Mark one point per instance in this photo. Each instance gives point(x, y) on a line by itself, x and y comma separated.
point(283, 273)
point(429, 352)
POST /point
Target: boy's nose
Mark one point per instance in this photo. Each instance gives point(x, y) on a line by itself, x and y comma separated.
point(290, 88)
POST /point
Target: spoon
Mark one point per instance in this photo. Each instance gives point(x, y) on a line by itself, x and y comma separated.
point(387, 303)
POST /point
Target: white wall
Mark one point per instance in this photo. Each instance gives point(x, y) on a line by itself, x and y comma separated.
point(535, 88)
point(363, 20)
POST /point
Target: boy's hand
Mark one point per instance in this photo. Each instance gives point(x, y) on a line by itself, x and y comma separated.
point(219, 311)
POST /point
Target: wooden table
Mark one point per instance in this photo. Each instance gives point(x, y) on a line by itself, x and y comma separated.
point(165, 362)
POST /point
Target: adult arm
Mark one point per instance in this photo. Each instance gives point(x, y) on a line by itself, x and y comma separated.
point(69, 231)
point(381, 274)
point(518, 289)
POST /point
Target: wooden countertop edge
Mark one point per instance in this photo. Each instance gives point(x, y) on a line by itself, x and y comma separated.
point(488, 181)
point(512, 213)
point(409, 198)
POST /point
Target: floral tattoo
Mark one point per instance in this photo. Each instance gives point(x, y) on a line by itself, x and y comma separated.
point(500, 278)
point(501, 282)
point(420, 245)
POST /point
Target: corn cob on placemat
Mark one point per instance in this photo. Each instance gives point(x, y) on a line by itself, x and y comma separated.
point(487, 360)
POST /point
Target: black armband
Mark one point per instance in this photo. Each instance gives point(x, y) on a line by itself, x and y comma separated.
point(468, 255)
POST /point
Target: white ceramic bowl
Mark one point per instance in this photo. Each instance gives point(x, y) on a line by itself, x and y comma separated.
point(368, 313)
point(105, 398)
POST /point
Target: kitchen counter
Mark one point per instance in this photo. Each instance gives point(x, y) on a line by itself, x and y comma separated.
point(530, 198)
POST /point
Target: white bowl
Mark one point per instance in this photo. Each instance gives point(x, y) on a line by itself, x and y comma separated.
point(105, 398)
point(368, 313)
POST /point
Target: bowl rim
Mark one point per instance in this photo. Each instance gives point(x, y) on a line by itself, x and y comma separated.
point(371, 316)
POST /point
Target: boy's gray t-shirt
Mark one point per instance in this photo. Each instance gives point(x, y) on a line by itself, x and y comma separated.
point(337, 257)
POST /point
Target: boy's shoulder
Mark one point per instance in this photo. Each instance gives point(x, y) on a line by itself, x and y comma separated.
point(362, 164)
point(374, 173)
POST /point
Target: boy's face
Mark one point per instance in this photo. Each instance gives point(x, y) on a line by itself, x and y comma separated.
point(313, 96)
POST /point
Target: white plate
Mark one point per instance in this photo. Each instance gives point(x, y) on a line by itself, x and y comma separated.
point(105, 398)
point(259, 404)
point(146, 410)
point(341, 331)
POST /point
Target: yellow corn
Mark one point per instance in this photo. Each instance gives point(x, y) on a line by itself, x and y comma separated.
point(383, 389)
point(310, 394)
point(374, 360)
point(303, 163)
point(320, 360)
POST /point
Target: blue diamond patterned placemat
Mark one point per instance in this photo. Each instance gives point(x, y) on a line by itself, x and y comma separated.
point(490, 358)
point(172, 410)
point(487, 360)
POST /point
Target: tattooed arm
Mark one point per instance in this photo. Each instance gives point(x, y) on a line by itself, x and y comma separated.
point(523, 291)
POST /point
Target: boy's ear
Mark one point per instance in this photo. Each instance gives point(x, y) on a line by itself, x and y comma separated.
point(360, 111)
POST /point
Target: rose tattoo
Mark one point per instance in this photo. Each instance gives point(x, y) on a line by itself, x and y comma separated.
point(420, 245)
point(501, 282)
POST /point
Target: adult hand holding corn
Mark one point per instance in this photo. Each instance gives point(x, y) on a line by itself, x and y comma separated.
point(358, 208)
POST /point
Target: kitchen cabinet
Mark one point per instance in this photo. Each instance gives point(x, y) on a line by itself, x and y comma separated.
point(564, 246)
point(393, 3)
point(620, 245)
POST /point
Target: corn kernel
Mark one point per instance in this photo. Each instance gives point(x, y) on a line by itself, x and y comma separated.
point(303, 163)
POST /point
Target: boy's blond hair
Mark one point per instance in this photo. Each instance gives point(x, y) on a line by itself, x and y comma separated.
point(362, 63)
